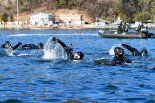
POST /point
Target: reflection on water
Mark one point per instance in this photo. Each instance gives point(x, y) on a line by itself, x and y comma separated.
point(29, 78)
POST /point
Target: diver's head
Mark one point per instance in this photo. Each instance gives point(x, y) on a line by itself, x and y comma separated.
point(144, 52)
point(78, 56)
point(118, 51)
point(54, 39)
point(40, 46)
point(6, 45)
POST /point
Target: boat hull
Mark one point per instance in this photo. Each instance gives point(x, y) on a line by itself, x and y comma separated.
point(125, 36)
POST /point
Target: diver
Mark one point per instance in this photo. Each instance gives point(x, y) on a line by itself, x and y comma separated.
point(144, 30)
point(9, 49)
point(146, 33)
point(125, 27)
point(118, 59)
point(31, 46)
point(140, 27)
point(77, 56)
point(134, 51)
point(120, 28)
point(8, 45)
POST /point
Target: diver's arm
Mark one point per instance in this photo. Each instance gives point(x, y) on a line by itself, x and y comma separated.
point(126, 60)
point(131, 49)
point(16, 46)
point(66, 48)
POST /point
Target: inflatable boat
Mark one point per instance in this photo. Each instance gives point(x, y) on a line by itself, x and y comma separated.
point(114, 34)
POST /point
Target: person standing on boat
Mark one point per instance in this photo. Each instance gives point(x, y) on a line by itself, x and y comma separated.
point(140, 27)
point(120, 28)
point(143, 30)
point(125, 27)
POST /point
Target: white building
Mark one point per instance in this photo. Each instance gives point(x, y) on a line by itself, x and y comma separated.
point(71, 18)
point(42, 19)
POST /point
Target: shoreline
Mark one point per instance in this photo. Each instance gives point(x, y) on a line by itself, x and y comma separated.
point(35, 27)
point(68, 27)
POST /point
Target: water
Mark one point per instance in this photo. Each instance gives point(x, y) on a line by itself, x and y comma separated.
point(53, 51)
point(29, 78)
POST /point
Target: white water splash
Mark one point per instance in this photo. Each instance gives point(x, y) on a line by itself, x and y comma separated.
point(111, 51)
point(53, 51)
point(9, 52)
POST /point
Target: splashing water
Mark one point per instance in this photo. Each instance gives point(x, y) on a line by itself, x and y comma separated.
point(111, 51)
point(53, 51)
point(9, 52)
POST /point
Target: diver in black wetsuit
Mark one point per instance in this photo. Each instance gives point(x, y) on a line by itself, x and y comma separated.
point(7, 45)
point(9, 49)
point(31, 46)
point(78, 56)
point(134, 51)
point(144, 31)
point(125, 27)
point(120, 27)
point(140, 27)
point(118, 59)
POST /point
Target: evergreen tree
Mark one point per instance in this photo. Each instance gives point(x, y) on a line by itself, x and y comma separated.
point(11, 18)
point(5, 17)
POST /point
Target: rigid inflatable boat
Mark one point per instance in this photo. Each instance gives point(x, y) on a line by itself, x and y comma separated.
point(128, 35)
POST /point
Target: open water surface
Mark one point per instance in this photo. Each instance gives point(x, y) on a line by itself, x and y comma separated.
point(28, 78)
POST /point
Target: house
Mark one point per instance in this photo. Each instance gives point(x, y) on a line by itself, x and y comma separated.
point(71, 18)
point(41, 19)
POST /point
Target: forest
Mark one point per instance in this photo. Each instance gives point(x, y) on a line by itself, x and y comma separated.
point(128, 10)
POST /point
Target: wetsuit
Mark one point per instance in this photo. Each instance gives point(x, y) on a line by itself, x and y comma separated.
point(32, 46)
point(7, 45)
point(145, 32)
point(120, 28)
point(120, 60)
point(28, 46)
point(117, 60)
point(139, 28)
point(9, 50)
point(134, 51)
point(125, 28)
point(66, 48)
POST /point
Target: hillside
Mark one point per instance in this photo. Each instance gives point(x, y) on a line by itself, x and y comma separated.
point(25, 15)
point(128, 10)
